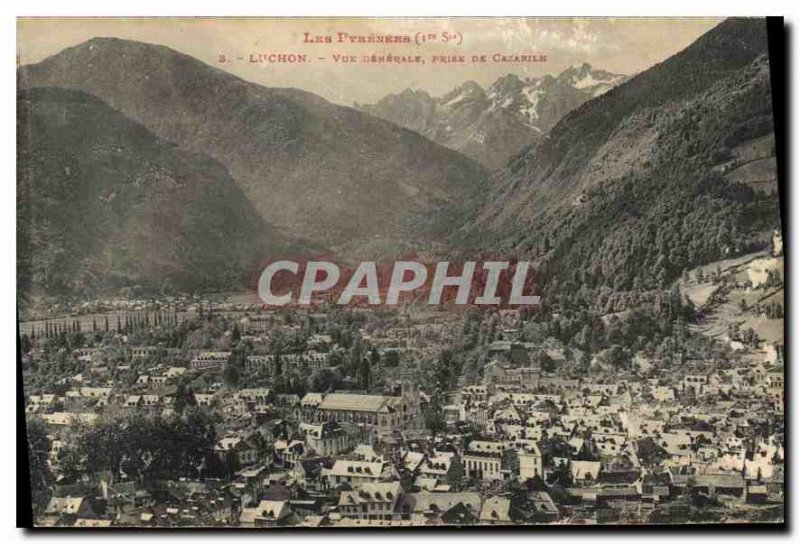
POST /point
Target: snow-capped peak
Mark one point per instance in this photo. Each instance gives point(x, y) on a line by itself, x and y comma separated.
point(585, 78)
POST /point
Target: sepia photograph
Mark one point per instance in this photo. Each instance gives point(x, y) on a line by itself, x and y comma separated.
point(319, 273)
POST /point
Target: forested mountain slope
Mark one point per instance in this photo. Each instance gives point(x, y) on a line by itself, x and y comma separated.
point(627, 191)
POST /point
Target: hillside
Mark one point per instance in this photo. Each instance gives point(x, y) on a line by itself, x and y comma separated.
point(103, 204)
point(329, 174)
point(626, 192)
point(494, 124)
point(741, 302)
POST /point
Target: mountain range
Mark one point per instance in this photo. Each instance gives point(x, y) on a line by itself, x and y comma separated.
point(104, 203)
point(494, 124)
point(139, 164)
point(328, 174)
point(627, 190)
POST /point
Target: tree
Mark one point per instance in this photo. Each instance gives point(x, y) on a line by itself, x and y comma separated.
point(24, 343)
point(446, 371)
point(365, 373)
point(231, 375)
point(584, 361)
point(38, 450)
point(141, 447)
point(650, 452)
point(546, 363)
point(434, 419)
point(325, 379)
point(183, 398)
point(374, 357)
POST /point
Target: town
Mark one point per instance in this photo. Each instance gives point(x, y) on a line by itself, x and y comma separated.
point(235, 415)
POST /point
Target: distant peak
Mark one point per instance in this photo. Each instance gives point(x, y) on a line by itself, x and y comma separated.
point(414, 93)
point(508, 83)
point(509, 77)
point(576, 70)
point(471, 86)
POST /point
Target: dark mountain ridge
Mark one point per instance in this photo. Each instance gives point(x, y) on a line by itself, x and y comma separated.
point(627, 191)
point(327, 173)
point(105, 204)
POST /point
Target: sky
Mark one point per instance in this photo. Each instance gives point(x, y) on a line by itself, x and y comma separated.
point(619, 45)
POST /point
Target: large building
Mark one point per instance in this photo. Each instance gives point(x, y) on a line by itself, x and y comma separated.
point(383, 413)
point(210, 360)
point(308, 362)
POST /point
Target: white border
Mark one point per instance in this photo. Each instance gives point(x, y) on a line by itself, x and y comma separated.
point(10, 11)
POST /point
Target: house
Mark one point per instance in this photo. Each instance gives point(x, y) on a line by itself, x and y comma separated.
point(306, 363)
point(365, 452)
point(256, 363)
point(88, 354)
point(662, 393)
point(65, 420)
point(530, 462)
point(499, 373)
point(174, 371)
point(256, 395)
point(204, 399)
point(158, 381)
point(150, 401)
point(695, 382)
point(585, 471)
point(496, 511)
point(210, 360)
point(288, 452)
point(483, 465)
point(99, 393)
point(330, 437)
point(371, 501)
point(488, 446)
point(543, 507)
point(475, 393)
point(444, 467)
point(357, 473)
point(757, 494)
point(308, 506)
point(460, 514)
point(67, 510)
point(238, 449)
point(412, 460)
point(732, 485)
point(308, 472)
point(425, 507)
point(248, 482)
point(142, 352)
point(268, 514)
point(38, 403)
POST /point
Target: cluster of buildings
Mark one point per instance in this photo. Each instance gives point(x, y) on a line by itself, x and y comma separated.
point(517, 445)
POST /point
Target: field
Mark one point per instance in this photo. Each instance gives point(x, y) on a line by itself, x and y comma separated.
point(754, 165)
point(722, 300)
